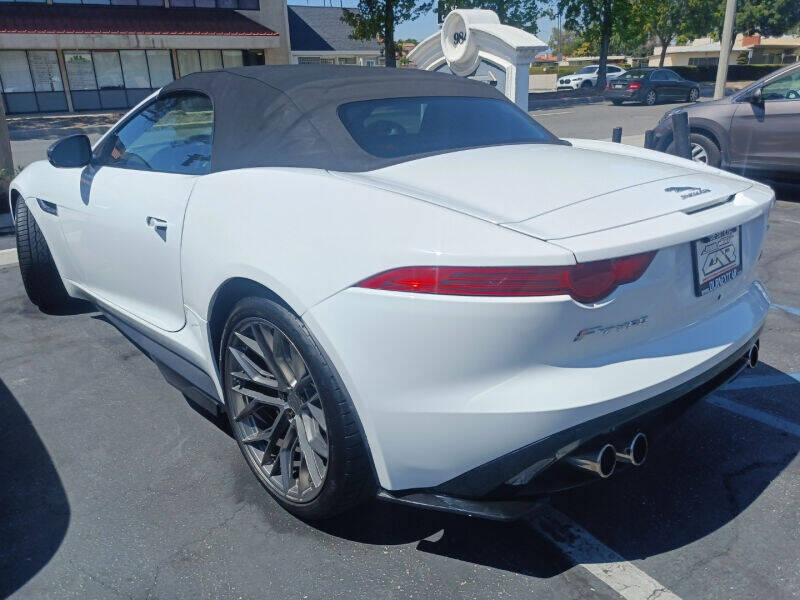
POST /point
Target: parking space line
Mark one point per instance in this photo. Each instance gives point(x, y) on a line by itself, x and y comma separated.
point(8, 257)
point(755, 414)
point(760, 381)
point(554, 112)
point(601, 561)
point(788, 309)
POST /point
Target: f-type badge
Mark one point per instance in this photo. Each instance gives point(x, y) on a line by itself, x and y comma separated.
point(687, 191)
point(604, 330)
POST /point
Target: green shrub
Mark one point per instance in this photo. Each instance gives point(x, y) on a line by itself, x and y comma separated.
point(552, 70)
point(735, 72)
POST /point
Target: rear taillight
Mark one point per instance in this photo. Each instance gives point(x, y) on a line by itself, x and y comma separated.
point(585, 282)
point(635, 85)
point(608, 86)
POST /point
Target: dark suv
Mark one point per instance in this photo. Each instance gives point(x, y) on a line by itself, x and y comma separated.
point(754, 130)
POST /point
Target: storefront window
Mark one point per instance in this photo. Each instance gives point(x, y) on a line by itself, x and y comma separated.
point(45, 71)
point(188, 62)
point(108, 70)
point(14, 72)
point(80, 70)
point(160, 64)
point(232, 58)
point(210, 60)
point(134, 68)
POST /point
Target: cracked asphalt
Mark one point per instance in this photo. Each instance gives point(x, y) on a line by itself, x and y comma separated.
point(112, 485)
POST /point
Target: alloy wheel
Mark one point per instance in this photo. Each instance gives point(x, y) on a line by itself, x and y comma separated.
point(651, 98)
point(694, 94)
point(699, 154)
point(276, 411)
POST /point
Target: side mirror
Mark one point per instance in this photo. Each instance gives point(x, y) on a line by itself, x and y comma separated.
point(71, 151)
point(756, 97)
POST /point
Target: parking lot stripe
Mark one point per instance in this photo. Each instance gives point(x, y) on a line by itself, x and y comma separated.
point(8, 257)
point(756, 415)
point(760, 381)
point(789, 309)
point(601, 561)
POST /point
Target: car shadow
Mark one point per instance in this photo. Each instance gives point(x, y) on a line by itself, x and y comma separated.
point(34, 510)
point(700, 475)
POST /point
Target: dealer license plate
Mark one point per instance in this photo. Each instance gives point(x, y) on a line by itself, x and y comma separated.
point(717, 260)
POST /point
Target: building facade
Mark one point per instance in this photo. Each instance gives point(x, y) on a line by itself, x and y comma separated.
point(753, 49)
point(318, 36)
point(73, 55)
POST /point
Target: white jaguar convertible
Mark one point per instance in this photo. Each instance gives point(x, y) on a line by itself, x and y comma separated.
point(389, 282)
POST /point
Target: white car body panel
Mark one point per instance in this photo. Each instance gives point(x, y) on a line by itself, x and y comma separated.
point(442, 384)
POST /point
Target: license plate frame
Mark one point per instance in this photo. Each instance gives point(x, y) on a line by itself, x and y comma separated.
point(716, 260)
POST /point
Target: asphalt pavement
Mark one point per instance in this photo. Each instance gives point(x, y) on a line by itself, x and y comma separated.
point(114, 485)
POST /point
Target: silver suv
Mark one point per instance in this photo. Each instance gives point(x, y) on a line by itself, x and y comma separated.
point(754, 130)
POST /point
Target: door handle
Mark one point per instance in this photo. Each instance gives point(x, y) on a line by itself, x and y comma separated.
point(156, 223)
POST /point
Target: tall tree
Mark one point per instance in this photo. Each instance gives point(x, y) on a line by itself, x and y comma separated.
point(379, 19)
point(668, 19)
point(596, 19)
point(564, 41)
point(767, 17)
point(517, 13)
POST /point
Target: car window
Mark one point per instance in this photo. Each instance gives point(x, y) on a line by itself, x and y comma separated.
point(659, 76)
point(395, 127)
point(671, 75)
point(171, 134)
point(639, 74)
point(786, 87)
point(613, 69)
point(586, 70)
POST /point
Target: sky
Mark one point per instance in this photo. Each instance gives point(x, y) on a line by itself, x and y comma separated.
point(422, 27)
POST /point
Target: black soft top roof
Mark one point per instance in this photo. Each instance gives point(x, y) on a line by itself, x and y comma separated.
point(287, 115)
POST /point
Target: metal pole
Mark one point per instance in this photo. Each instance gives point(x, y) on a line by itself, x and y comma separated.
point(6, 161)
point(680, 135)
point(725, 49)
point(648, 139)
point(616, 135)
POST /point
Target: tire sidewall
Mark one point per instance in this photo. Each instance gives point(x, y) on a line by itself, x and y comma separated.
point(712, 151)
point(331, 392)
point(651, 98)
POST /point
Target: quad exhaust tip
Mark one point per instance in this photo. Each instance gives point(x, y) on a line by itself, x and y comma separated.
point(752, 355)
point(636, 451)
point(601, 463)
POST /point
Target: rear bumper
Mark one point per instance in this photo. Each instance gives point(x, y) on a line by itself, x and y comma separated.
point(623, 94)
point(483, 491)
point(444, 386)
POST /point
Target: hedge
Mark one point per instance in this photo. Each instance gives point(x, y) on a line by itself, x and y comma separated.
point(692, 73)
point(735, 72)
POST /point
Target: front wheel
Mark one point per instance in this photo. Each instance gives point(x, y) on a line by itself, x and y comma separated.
point(616, 102)
point(586, 84)
point(650, 98)
point(40, 275)
point(290, 414)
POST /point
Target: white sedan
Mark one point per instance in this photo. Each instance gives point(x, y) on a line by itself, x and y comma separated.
point(393, 284)
point(586, 77)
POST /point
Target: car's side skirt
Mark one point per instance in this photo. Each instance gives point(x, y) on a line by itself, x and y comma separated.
point(179, 372)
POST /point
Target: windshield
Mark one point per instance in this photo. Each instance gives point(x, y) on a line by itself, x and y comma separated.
point(636, 74)
point(585, 70)
point(399, 127)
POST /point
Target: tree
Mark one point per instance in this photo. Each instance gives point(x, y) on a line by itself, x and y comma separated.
point(668, 19)
point(596, 20)
point(564, 41)
point(517, 13)
point(767, 17)
point(378, 19)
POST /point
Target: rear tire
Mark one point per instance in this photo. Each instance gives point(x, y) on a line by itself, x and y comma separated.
point(40, 275)
point(616, 102)
point(329, 470)
point(694, 95)
point(650, 98)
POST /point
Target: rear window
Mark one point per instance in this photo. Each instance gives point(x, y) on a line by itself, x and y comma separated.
point(586, 70)
point(399, 127)
point(637, 74)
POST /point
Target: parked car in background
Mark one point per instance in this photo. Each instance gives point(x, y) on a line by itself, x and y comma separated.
point(586, 77)
point(651, 85)
point(755, 130)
